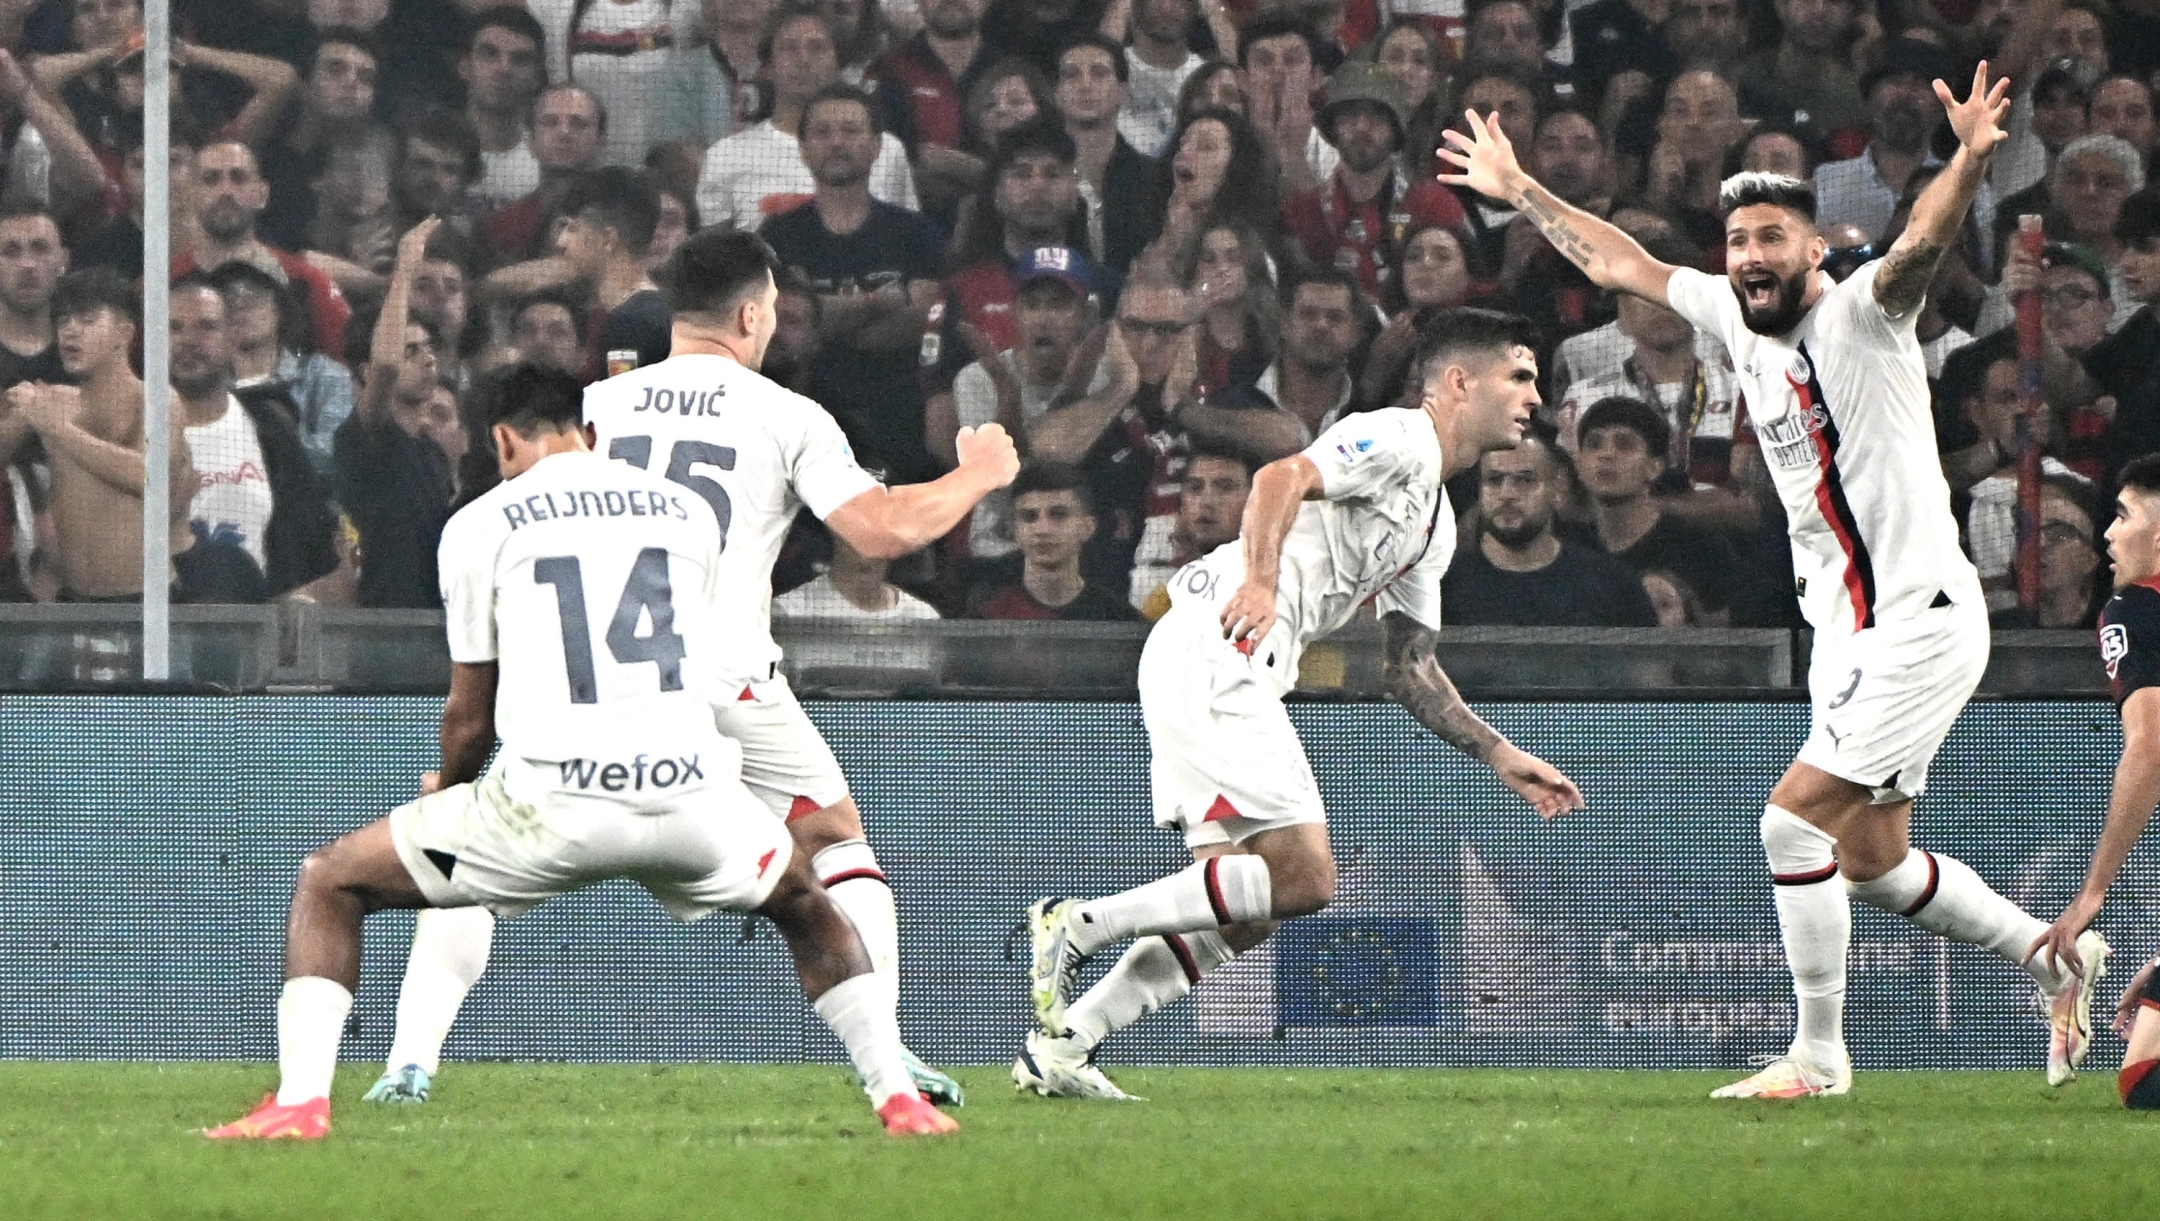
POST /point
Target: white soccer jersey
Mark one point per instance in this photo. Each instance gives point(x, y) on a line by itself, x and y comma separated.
point(591, 585)
point(1840, 408)
point(1383, 530)
point(755, 451)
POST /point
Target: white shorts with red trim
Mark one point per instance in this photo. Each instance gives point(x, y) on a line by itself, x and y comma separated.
point(1225, 761)
point(1885, 698)
point(697, 843)
point(785, 760)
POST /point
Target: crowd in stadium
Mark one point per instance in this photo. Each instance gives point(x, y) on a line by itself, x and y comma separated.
point(1162, 241)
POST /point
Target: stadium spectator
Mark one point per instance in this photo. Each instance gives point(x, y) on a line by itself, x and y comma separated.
point(624, 53)
point(2071, 585)
point(1409, 53)
point(568, 127)
point(46, 154)
point(1620, 457)
point(1993, 406)
point(229, 195)
point(2122, 106)
point(1673, 600)
point(1008, 93)
point(1217, 170)
point(336, 101)
point(1281, 57)
point(1037, 28)
point(2091, 179)
point(922, 86)
point(349, 233)
point(609, 215)
point(118, 242)
point(1495, 91)
point(1216, 84)
point(851, 587)
point(2072, 35)
point(502, 71)
point(548, 329)
point(795, 344)
point(1309, 386)
point(2061, 113)
point(1504, 34)
point(758, 172)
point(1114, 177)
point(92, 432)
point(32, 260)
point(875, 269)
point(859, 34)
point(1956, 287)
point(393, 478)
point(1541, 283)
point(260, 520)
point(1811, 65)
point(1775, 149)
point(1432, 274)
point(678, 220)
point(1518, 572)
point(1618, 55)
point(1210, 509)
point(1697, 126)
point(2124, 365)
point(1229, 276)
point(441, 298)
point(1053, 521)
point(438, 166)
point(1354, 220)
point(1032, 201)
point(1158, 60)
point(1903, 117)
point(271, 348)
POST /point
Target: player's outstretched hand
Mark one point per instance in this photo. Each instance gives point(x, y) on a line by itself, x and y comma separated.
point(1485, 156)
point(2057, 947)
point(989, 451)
point(1249, 614)
point(1541, 784)
point(1979, 118)
point(2126, 1009)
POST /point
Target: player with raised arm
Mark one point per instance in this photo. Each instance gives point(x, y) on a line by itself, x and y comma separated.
point(2130, 650)
point(1837, 391)
point(610, 765)
point(1361, 514)
point(709, 423)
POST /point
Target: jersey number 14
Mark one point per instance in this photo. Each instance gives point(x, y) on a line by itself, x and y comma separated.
point(647, 590)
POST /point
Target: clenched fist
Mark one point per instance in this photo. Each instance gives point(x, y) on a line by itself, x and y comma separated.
point(990, 452)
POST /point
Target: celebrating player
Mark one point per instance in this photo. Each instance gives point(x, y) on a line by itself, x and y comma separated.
point(1361, 514)
point(1837, 391)
point(610, 764)
point(2130, 649)
point(756, 453)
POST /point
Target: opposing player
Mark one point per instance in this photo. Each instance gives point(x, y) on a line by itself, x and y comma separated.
point(2130, 650)
point(1361, 514)
point(610, 765)
point(1837, 391)
point(756, 454)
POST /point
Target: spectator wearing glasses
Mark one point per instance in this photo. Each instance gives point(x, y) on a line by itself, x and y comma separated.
point(2071, 588)
point(272, 350)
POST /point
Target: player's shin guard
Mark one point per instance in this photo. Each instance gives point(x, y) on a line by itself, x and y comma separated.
point(311, 1019)
point(1944, 896)
point(1815, 921)
point(1220, 890)
point(1153, 973)
point(860, 1011)
point(849, 873)
point(449, 953)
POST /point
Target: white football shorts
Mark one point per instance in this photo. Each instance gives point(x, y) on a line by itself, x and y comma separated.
point(697, 843)
point(785, 760)
point(1884, 699)
point(1225, 761)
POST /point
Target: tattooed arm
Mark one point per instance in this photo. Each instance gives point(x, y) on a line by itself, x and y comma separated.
point(1416, 681)
point(1606, 254)
point(1902, 280)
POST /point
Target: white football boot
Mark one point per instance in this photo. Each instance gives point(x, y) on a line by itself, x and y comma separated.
point(1063, 1067)
point(2070, 1011)
point(1788, 1076)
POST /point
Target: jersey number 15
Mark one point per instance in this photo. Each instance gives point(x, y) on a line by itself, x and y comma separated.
point(637, 451)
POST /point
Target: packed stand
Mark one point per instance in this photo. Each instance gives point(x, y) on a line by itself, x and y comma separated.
point(1163, 242)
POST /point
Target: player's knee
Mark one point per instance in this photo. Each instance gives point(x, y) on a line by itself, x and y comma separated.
point(821, 829)
point(1246, 934)
point(1305, 889)
point(322, 870)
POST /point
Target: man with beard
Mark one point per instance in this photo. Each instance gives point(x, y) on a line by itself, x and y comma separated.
point(1836, 388)
point(922, 87)
point(1522, 573)
point(230, 193)
point(1903, 117)
point(1160, 59)
point(1033, 201)
point(1355, 219)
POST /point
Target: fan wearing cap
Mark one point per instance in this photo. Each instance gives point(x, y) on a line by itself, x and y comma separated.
point(1355, 218)
point(1902, 118)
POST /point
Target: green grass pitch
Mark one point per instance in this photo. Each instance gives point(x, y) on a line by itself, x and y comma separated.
point(537, 1142)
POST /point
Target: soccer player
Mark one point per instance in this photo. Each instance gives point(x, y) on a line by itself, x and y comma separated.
point(1360, 514)
point(1837, 390)
point(610, 765)
point(2130, 649)
point(708, 422)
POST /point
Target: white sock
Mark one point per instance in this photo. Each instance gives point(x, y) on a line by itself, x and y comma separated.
point(860, 1010)
point(450, 948)
point(1815, 922)
point(849, 873)
point(1943, 895)
point(1154, 972)
point(1220, 890)
point(310, 1023)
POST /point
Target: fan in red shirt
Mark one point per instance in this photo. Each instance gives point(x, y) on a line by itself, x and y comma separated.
point(230, 193)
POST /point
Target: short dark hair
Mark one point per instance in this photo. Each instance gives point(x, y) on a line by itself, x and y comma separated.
point(1222, 453)
point(1275, 25)
point(531, 398)
point(579, 318)
point(1055, 477)
point(794, 12)
point(95, 288)
point(619, 199)
point(1626, 411)
point(1041, 134)
point(1325, 275)
point(1761, 187)
point(713, 270)
point(360, 337)
point(2142, 473)
point(514, 18)
point(1096, 39)
point(841, 91)
point(345, 35)
point(443, 128)
point(1465, 330)
point(2139, 220)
